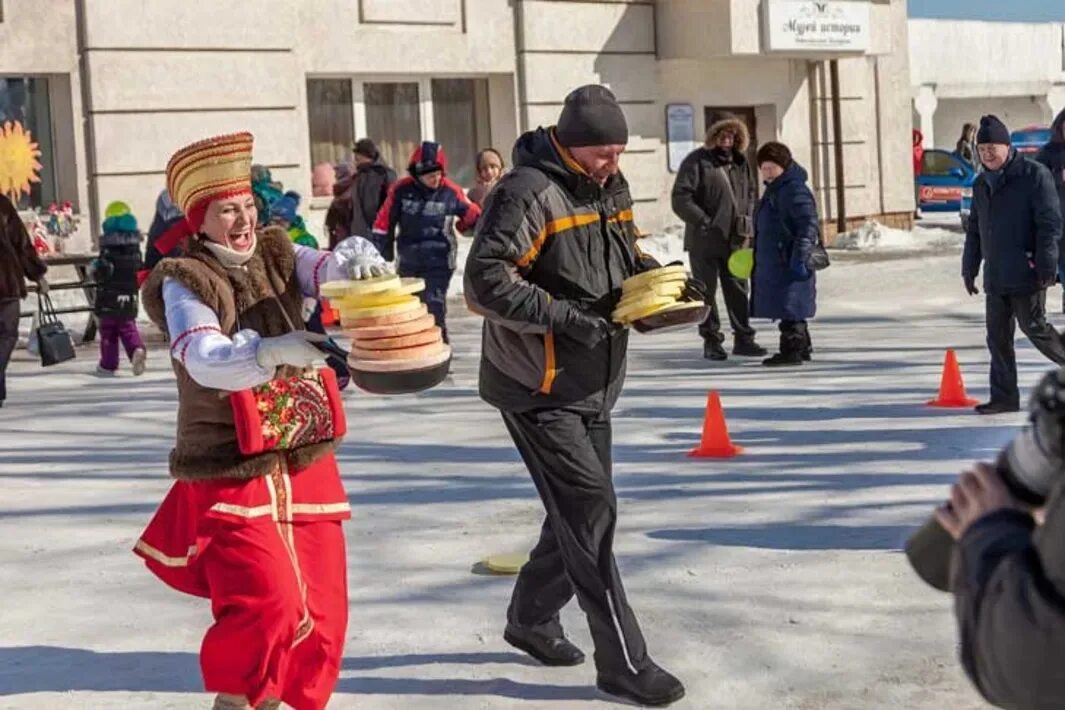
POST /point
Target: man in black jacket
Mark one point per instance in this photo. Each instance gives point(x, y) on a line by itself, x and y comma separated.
point(715, 194)
point(1052, 155)
point(552, 248)
point(358, 197)
point(1014, 230)
point(18, 261)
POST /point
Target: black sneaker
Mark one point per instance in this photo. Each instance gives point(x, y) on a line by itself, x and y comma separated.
point(997, 408)
point(784, 360)
point(557, 651)
point(651, 687)
point(714, 351)
point(748, 348)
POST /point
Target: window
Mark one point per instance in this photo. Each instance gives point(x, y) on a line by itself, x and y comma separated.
point(332, 127)
point(393, 120)
point(938, 163)
point(460, 120)
point(24, 103)
point(398, 115)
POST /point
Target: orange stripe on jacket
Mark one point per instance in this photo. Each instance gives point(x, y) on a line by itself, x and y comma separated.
point(549, 363)
point(562, 224)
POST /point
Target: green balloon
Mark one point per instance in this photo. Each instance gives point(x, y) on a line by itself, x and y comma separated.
point(741, 263)
point(117, 209)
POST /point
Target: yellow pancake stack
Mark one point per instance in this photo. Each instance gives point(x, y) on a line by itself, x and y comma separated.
point(390, 328)
point(651, 293)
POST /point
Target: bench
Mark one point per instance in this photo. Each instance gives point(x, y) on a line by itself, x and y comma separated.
point(80, 262)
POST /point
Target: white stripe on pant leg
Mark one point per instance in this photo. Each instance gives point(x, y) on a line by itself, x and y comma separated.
point(617, 627)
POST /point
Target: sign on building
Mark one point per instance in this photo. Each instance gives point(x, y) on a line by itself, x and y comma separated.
point(680, 133)
point(816, 25)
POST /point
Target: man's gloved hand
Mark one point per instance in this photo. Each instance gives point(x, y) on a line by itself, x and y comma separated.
point(588, 329)
point(970, 285)
point(289, 349)
point(359, 259)
point(42, 286)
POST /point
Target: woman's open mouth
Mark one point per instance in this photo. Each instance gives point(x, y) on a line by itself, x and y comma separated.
point(240, 241)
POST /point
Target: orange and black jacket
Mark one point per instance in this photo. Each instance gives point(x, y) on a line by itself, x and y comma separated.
point(551, 243)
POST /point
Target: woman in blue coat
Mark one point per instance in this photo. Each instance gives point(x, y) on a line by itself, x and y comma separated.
point(786, 232)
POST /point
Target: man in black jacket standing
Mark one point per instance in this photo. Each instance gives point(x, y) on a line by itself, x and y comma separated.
point(552, 248)
point(358, 197)
point(1014, 230)
point(715, 194)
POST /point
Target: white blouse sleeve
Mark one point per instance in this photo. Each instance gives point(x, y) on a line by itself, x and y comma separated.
point(197, 342)
point(314, 267)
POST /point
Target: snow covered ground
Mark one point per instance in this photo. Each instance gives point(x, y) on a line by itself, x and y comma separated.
point(769, 581)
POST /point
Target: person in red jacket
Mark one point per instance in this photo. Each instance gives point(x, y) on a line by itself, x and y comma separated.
point(415, 225)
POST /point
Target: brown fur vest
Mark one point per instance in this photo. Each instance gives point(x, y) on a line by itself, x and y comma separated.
point(247, 298)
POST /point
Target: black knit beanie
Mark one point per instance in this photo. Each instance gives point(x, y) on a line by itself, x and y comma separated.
point(993, 130)
point(774, 152)
point(366, 148)
point(592, 116)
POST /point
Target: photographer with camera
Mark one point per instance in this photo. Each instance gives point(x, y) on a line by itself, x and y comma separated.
point(1007, 572)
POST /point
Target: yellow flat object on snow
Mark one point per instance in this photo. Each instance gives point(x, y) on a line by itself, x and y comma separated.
point(647, 304)
point(666, 273)
point(506, 563)
point(410, 303)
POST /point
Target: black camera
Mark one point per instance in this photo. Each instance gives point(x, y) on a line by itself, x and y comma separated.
point(1030, 466)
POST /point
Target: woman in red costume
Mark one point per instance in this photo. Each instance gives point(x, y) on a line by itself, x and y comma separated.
point(258, 533)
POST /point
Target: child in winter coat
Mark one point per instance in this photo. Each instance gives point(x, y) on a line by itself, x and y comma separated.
point(415, 225)
point(115, 273)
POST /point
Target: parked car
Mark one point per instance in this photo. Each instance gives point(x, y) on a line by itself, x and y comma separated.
point(945, 184)
point(1030, 140)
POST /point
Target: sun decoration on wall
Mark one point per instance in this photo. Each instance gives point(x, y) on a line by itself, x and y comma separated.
point(18, 160)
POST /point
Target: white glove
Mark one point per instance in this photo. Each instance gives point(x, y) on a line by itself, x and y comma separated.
point(308, 307)
point(289, 349)
point(357, 258)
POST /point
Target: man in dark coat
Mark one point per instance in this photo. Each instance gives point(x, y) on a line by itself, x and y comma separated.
point(1014, 230)
point(714, 194)
point(358, 197)
point(551, 251)
point(786, 233)
point(1052, 155)
point(18, 261)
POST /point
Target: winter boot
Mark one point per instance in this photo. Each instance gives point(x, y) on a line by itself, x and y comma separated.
point(994, 407)
point(713, 350)
point(101, 371)
point(551, 651)
point(651, 687)
point(139, 360)
point(228, 701)
point(746, 347)
point(792, 344)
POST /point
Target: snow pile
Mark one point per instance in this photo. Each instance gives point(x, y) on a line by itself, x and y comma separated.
point(873, 236)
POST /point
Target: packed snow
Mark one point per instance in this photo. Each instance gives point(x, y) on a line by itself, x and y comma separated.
point(774, 580)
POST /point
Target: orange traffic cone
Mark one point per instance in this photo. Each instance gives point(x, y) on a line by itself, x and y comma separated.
point(952, 388)
point(715, 443)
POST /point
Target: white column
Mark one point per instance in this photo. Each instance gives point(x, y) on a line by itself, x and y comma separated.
point(925, 102)
point(1054, 101)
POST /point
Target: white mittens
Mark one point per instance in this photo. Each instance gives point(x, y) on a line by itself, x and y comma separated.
point(358, 258)
point(289, 349)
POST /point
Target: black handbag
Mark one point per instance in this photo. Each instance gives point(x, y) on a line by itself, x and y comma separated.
point(53, 341)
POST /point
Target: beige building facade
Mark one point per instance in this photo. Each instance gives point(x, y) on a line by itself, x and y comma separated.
point(111, 88)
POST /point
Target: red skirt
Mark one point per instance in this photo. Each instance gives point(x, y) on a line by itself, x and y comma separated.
point(194, 511)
